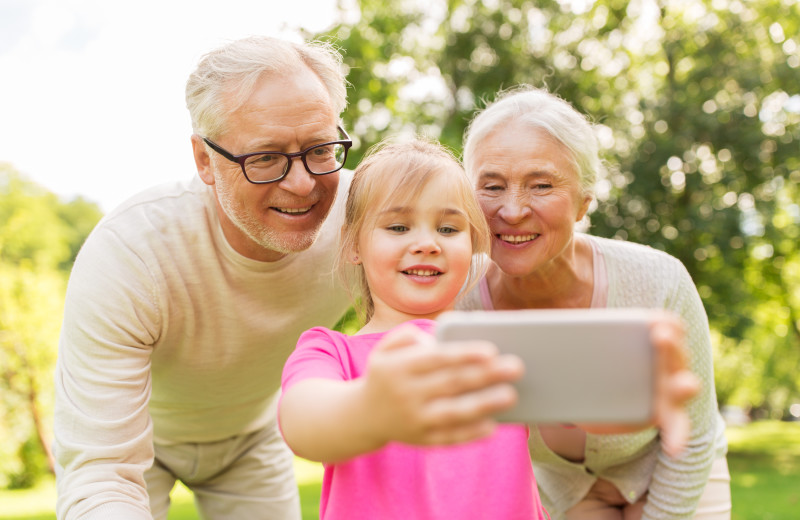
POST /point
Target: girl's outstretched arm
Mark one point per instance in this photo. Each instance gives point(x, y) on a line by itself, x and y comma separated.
point(414, 391)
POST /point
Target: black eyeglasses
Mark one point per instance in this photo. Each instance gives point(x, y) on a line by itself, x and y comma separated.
point(265, 167)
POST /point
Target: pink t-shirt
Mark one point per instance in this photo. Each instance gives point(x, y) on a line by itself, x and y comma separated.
point(489, 478)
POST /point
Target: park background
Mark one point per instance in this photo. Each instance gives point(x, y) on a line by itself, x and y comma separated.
point(697, 106)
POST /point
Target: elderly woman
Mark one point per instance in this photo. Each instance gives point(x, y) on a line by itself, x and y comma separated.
point(534, 161)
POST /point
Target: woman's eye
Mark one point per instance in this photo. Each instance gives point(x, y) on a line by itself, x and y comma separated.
point(543, 186)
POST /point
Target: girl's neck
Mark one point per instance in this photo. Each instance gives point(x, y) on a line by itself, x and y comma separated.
point(386, 319)
point(567, 282)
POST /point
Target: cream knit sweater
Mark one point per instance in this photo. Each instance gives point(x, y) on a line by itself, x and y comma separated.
point(171, 336)
point(639, 276)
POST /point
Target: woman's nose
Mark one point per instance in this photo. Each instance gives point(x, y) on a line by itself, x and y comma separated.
point(514, 209)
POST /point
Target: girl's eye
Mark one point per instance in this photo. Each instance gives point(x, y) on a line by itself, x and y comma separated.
point(398, 228)
point(448, 230)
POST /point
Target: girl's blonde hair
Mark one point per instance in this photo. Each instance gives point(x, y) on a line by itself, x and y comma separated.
point(395, 172)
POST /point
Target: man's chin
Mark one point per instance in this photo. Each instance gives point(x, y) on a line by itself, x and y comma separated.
point(286, 243)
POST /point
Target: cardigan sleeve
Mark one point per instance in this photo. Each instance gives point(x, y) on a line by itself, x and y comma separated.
point(677, 484)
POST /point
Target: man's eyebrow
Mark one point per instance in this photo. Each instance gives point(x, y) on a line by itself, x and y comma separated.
point(269, 146)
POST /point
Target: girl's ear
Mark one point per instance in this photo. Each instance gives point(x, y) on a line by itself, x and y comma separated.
point(352, 250)
point(353, 256)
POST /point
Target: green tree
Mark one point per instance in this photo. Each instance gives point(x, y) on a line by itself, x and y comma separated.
point(39, 238)
point(697, 107)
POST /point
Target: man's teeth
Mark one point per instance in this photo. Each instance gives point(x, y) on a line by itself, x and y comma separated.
point(294, 210)
point(422, 272)
point(517, 239)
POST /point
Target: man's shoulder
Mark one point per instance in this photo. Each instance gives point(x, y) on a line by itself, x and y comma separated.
point(165, 213)
point(168, 196)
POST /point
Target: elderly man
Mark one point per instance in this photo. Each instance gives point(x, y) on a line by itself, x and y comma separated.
point(185, 302)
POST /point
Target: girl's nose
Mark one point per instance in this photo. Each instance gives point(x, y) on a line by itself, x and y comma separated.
point(426, 244)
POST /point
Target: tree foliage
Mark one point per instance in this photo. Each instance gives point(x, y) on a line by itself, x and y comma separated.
point(39, 238)
point(697, 105)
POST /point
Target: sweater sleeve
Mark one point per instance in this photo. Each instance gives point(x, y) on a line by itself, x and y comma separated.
point(103, 431)
point(677, 484)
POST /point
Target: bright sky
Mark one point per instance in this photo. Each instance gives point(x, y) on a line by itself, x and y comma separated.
point(91, 91)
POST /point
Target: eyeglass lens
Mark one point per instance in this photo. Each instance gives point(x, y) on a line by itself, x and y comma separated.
point(325, 158)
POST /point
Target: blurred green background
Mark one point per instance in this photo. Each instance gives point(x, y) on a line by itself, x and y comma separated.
point(698, 109)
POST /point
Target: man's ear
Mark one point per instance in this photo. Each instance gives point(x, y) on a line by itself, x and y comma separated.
point(202, 160)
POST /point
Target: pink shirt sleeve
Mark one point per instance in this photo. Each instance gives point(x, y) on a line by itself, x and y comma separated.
point(320, 353)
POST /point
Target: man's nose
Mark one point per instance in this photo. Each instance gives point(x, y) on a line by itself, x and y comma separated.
point(297, 180)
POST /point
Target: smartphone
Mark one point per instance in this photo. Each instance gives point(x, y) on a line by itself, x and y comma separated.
point(581, 365)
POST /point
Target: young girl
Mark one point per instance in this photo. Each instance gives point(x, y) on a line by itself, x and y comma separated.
point(403, 425)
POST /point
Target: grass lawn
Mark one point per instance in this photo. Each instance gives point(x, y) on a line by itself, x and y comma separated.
point(764, 460)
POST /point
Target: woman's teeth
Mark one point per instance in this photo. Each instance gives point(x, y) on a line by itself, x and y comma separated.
point(517, 239)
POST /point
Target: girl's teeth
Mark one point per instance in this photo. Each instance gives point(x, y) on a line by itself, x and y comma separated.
point(421, 272)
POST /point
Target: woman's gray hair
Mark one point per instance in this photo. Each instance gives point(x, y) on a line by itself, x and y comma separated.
point(538, 108)
point(233, 70)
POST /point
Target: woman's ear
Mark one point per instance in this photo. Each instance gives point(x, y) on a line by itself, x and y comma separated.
point(202, 160)
point(587, 201)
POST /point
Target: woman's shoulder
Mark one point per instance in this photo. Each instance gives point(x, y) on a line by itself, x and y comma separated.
point(630, 255)
point(640, 275)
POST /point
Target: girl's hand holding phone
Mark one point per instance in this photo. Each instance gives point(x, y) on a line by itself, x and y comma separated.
point(417, 393)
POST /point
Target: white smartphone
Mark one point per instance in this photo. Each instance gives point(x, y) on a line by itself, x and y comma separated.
point(581, 365)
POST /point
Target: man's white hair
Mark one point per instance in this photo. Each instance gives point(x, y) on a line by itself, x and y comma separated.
point(225, 77)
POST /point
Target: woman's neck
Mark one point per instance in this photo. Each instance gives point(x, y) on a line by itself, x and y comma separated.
point(566, 282)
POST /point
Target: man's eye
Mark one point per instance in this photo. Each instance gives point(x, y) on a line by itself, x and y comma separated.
point(322, 151)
